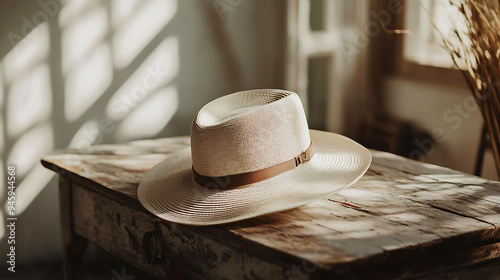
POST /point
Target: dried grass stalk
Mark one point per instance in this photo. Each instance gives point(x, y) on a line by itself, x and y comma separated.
point(478, 52)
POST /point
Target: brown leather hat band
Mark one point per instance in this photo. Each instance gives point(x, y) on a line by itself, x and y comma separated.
point(236, 180)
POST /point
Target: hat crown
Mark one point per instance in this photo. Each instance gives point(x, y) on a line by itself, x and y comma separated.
point(248, 131)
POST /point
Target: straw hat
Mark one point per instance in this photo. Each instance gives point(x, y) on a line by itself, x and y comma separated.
point(251, 154)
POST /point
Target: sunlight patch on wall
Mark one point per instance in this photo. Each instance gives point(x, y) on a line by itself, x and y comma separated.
point(93, 41)
point(2, 140)
point(30, 100)
point(2, 225)
point(2, 129)
point(3, 187)
point(30, 147)
point(150, 117)
point(82, 36)
point(121, 11)
point(155, 72)
point(31, 186)
point(143, 22)
point(33, 49)
point(26, 94)
point(72, 10)
point(2, 86)
point(86, 83)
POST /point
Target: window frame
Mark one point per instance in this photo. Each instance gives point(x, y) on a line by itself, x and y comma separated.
point(388, 55)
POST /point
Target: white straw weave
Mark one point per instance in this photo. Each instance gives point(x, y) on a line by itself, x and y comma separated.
point(248, 131)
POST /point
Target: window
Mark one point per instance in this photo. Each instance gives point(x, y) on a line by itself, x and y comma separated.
point(424, 45)
point(326, 58)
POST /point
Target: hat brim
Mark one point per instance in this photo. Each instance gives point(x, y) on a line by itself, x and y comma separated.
point(169, 191)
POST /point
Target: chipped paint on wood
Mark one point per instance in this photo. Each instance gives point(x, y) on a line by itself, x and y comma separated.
point(124, 232)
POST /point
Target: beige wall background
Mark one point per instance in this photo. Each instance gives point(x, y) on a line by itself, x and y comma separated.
point(78, 73)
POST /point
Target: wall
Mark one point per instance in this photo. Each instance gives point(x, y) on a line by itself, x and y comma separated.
point(447, 112)
point(91, 72)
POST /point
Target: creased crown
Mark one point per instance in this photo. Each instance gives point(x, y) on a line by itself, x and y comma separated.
point(248, 131)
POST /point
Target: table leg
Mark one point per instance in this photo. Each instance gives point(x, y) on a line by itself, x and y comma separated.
point(73, 245)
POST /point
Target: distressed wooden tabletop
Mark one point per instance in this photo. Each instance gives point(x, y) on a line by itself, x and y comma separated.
point(399, 210)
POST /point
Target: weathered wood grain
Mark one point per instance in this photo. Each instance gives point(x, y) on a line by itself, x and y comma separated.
point(120, 232)
point(400, 210)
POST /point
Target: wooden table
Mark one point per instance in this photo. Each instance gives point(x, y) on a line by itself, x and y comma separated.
point(403, 219)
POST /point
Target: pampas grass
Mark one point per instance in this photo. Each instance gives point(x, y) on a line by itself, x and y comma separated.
point(475, 50)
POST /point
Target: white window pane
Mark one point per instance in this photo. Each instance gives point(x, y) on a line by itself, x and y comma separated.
point(424, 44)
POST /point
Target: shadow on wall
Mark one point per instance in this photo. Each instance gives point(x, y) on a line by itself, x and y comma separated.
point(90, 72)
